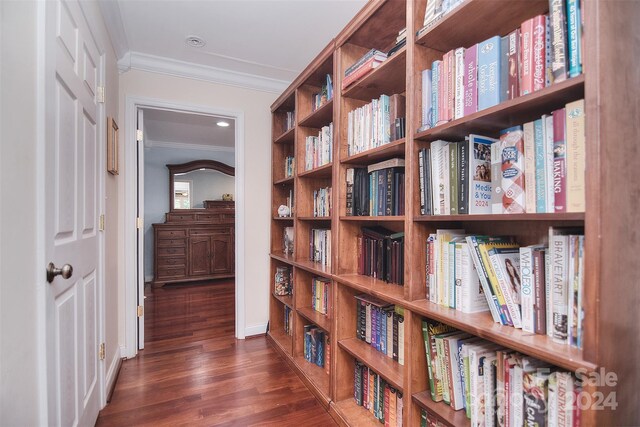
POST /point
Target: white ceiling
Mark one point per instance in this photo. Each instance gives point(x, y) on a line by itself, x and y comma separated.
point(188, 130)
point(268, 39)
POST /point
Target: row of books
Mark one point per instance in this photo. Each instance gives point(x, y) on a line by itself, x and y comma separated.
point(435, 10)
point(374, 393)
point(380, 254)
point(289, 121)
point(289, 166)
point(283, 281)
point(535, 168)
point(316, 346)
point(318, 150)
point(382, 325)
point(320, 246)
point(325, 95)
point(321, 295)
point(288, 320)
point(495, 385)
point(363, 66)
point(371, 125)
point(377, 190)
point(501, 68)
point(538, 288)
point(322, 202)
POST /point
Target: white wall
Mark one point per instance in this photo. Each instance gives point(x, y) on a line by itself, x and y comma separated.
point(156, 188)
point(257, 164)
point(22, 283)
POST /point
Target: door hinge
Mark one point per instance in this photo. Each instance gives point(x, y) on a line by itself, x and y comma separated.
point(139, 135)
point(101, 352)
point(100, 94)
point(140, 311)
point(101, 223)
point(139, 222)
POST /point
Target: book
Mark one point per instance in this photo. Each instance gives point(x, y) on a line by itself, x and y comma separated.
point(512, 170)
point(535, 388)
point(514, 60)
point(540, 274)
point(463, 177)
point(504, 68)
point(505, 263)
point(440, 177)
point(540, 166)
point(427, 107)
point(530, 186)
point(576, 153)
point(574, 35)
point(283, 281)
point(472, 298)
point(453, 178)
point(430, 329)
point(287, 240)
point(558, 31)
point(547, 132)
point(362, 70)
point(349, 191)
point(470, 92)
point(489, 65)
point(397, 111)
point(459, 83)
point(480, 179)
point(559, 161)
point(527, 290)
point(435, 91)
point(533, 46)
point(539, 67)
point(496, 180)
point(372, 53)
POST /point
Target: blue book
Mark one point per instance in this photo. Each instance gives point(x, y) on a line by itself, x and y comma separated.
point(489, 65)
point(538, 138)
point(435, 85)
point(383, 331)
point(573, 37)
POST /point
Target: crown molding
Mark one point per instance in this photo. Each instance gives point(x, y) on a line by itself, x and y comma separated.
point(173, 67)
point(115, 27)
point(187, 146)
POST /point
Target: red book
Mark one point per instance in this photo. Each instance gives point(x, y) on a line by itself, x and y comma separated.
point(559, 161)
point(361, 71)
point(451, 75)
point(526, 50)
point(386, 406)
point(539, 52)
point(513, 90)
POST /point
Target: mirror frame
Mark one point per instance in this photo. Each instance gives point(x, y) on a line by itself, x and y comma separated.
point(192, 166)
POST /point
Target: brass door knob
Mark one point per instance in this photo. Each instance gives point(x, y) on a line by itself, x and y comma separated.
point(66, 271)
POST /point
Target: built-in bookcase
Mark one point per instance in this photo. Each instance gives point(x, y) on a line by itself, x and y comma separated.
point(610, 218)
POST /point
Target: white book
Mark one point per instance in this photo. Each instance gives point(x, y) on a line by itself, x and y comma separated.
point(559, 252)
point(443, 237)
point(529, 168)
point(547, 129)
point(477, 354)
point(506, 266)
point(565, 399)
point(472, 298)
point(496, 180)
point(515, 413)
point(527, 294)
point(458, 110)
point(455, 388)
point(552, 401)
point(439, 169)
point(548, 293)
point(489, 391)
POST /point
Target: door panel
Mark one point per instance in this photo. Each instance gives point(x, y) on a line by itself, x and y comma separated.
point(199, 255)
point(221, 254)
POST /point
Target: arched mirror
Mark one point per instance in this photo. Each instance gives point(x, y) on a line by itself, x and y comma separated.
point(194, 185)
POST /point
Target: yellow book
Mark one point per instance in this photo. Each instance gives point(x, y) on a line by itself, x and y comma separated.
point(575, 156)
point(493, 280)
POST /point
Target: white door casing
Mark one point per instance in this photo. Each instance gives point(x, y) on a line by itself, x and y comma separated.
point(73, 69)
point(140, 230)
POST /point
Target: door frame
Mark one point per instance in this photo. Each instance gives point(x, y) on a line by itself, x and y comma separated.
point(132, 104)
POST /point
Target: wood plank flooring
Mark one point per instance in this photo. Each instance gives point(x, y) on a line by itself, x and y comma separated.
point(193, 372)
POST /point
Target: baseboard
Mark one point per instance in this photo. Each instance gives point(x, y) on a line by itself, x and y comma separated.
point(255, 330)
point(112, 373)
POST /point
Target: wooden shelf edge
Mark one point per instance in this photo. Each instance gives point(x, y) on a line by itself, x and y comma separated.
point(397, 60)
point(565, 216)
point(284, 299)
point(388, 368)
point(287, 259)
point(390, 149)
point(482, 325)
point(316, 117)
point(386, 291)
point(286, 180)
point(441, 410)
point(347, 413)
point(314, 218)
point(285, 137)
point(282, 218)
point(279, 343)
point(315, 377)
point(381, 218)
point(320, 170)
point(316, 318)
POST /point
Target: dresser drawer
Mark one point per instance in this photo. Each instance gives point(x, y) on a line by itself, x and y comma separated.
point(172, 217)
point(177, 251)
point(171, 242)
point(170, 234)
point(178, 261)
point(208, 217)
point(210, 231)
point(171, 272)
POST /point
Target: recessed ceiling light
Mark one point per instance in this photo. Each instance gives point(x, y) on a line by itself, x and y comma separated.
point(195, 41)
point(223, 124)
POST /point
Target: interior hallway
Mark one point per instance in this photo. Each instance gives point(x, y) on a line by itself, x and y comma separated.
point(193, 372)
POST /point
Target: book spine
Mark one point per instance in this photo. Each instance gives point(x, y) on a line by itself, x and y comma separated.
point(445, 370)
point(390, 334)
point(558, 30)
point(357, 383)
point(362, 71)
point(575, 156)
point(548, 148)
point(503, 283)
point(512, 168)
point(539, 52)
point(513, 89)
point(470, 80)
point(435, 89)
point(463, 178)
point(401, 340)
point(492, 300)
point(504, 68)
point(427, 108)
point(399, 408)
point(366, 57)
point(559, 161)
point(490, 388)
point(529, 168)
point(459, 83)
point(552, 401)
point(527, 298)
point(489, 73)
point(496, 180)
point(559, 248)
point(540, 300)
point(421, 172)
point(540, 166)
point(573, 37)
point(526, 70)
point(453, 178)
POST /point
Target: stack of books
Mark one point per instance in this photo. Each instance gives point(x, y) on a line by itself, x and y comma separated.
point(322, 202)
point(374, 393)
point(320, 295)
point(382, 325)
point(315, 345)
point(363, 66)
point(318, 150)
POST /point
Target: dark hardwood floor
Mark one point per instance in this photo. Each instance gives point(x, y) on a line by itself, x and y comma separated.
point(193, 372)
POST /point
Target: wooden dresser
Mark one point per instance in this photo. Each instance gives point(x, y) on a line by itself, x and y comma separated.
point(195, 244)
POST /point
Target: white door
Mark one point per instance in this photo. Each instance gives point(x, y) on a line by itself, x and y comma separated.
point(72, 71)
point(141, 227)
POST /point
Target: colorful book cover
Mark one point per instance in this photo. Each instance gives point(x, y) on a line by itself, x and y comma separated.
point(539, 291)
point(547, 133)
point(489, 65)
point(534, 387)
point(526, 48)
point(505, 263)
point(529, 167)
point(513, 89)
point(527, 295)
point(453, 178)
point(492, 278)
point(539, 68)
point(470, 80)
point(472, 296)
point(463, 178)
point(574, 34)
point(576, 153)
point(540, 166)
point(558, 29)
point(480, 179)
point(430, 329)
point(559, 161)
point(512, 170)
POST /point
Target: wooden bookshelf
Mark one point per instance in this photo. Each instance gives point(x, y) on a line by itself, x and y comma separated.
point(611, 217)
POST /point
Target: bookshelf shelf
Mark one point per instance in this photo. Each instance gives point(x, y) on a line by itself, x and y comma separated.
point(387, 151)
point(378, 288)
point(282, 340)
point(388, 78)
point(321, 117)
point(571, 216)
point(350, 412)
point(285, 299)
point(316, 375)
point(282, 257)
point(487, 17)
point(388, 368)
point(314, 218)
point(287, 137)
point(387, 218)
point(525, 108)
point(323, 171)
point(443, 411)
point(283, 181)
point(282, 218)
point(314, 267)
point(482, 325)
point(316, 317)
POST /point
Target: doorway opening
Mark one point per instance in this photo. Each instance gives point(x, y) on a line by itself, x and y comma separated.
point(199, 203)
